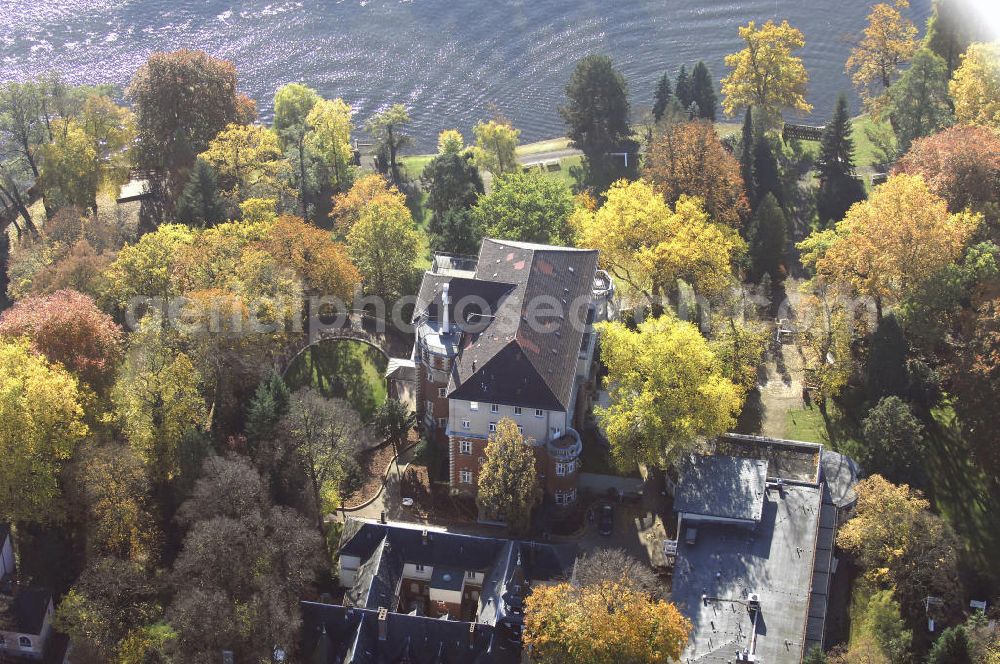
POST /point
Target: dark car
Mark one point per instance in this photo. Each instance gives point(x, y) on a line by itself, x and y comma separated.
point(606, 520)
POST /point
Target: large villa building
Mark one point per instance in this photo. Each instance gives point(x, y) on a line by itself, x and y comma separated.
point(509, 334)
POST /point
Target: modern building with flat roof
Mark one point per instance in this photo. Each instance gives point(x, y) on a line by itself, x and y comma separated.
point(754, 553)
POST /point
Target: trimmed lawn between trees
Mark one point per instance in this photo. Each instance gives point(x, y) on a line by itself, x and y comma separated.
point(957, 487)
point(342, 368)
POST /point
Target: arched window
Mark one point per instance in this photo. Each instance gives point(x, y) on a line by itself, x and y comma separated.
point(24, 642)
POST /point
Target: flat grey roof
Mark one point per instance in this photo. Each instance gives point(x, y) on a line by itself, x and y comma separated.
point(721, 486)
point(775, 561)
point(447, 578)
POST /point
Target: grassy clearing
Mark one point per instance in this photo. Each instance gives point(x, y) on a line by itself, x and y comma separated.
point(345, 369)
point(549, 145)
point(415, 164)
point(835, 430)
point(963, 494)
point(959, 489)
point(865, 151)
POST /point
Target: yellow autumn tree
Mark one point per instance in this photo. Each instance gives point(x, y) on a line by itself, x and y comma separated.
point(668, 391)
point(70, 173)
point(605, 623)
point(901, 544)
point(329, 138)
point(891, 243)
point(249, 163)
point(889, 40)
point(648, 246)
point(368, 192)
point(508, 483)
point(40, 426)
point(383, 243)
point(157, 399)
point(766, 74)
point(496, 142)
point(450, 141)
point(975, 86)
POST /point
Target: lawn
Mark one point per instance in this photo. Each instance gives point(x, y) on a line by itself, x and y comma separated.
point(549, 145)
point(414, 164)
point(865, 152)
point(342, 368)
point(963, 494)
point(958, 488)
point(835, 431)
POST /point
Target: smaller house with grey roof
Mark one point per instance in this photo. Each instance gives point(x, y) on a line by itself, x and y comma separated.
point(417, 594)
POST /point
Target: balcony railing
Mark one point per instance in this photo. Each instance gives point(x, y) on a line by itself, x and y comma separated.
point(566, 447)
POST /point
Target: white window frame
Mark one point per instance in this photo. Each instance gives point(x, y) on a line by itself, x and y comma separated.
point(470, 574)
point(539, 412)
point(520, 429)
point(494, 408)
point(559, 498)
point(442, 422)
point(493, 427)
point(517, 410)
point(465, 476)
point(442, 392)
point(465, 447)
point(473, 405)
point(25, 642)
point(466, 424)
point(556, 432)
point(418, 567)
point(430, 406)
point(560, 469)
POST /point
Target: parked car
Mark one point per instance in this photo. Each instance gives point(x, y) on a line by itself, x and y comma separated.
point(606, 520)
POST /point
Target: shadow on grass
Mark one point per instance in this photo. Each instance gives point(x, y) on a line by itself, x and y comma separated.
point(342, 368)
point(962, 493)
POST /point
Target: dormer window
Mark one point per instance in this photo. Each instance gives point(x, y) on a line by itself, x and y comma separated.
point(24, 642)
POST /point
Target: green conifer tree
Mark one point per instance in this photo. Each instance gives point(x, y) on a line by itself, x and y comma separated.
point(682, 90)
point(703, 91)
point(662, 97)
point(838, 189)
point(200, 203)
point(767, 237)
point(765, 170)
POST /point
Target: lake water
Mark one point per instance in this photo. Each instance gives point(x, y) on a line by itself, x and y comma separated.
point(451, 61)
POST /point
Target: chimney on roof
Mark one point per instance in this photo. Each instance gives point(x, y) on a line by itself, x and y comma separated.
point(445, 325)
point(472, 635)
point(383, 627)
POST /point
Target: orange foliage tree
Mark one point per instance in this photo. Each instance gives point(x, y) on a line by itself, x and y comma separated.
point(321, 262)
point(688, 158)
point(606, 623)
point(368, 192)
point(890, 244)
point(68, 328)
point(960, 164)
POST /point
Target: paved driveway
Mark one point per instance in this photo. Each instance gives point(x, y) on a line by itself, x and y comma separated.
point(638, 529)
